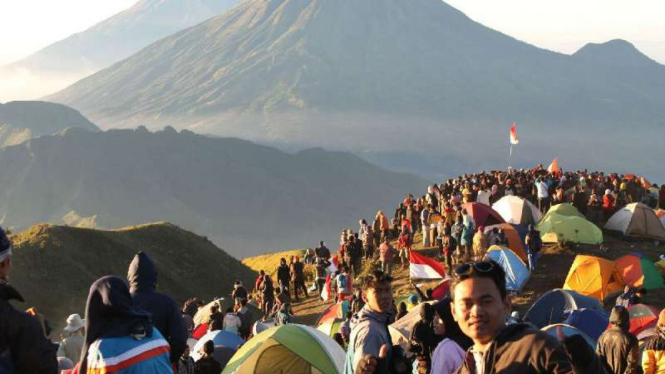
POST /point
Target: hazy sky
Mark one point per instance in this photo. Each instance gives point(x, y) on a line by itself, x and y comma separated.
point(562, 25)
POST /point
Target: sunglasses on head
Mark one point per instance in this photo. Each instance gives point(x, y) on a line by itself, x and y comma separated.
point(469, 267)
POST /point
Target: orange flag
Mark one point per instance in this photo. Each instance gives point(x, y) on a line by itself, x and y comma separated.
point(554, 166)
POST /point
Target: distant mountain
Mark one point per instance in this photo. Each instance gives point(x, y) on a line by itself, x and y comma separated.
point(54, 266)
point(22, 120)
point(114, 39)
point(389, 77)
point(247, 198)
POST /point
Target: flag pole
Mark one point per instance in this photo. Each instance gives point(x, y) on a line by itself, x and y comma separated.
point(510, 156)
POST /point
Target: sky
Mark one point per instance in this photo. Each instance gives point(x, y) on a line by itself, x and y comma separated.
point(562, 25)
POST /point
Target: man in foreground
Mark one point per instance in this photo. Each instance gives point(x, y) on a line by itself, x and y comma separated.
point(617, 347)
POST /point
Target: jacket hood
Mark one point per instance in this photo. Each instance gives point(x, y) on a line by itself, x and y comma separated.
point(142, 273)
point(368, 315)
point(620, 317)
point(7, 292)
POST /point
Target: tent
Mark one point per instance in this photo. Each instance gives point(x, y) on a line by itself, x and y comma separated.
point(290, 348)
point(517, 273)
point(561, 331)
point(642, 317)
point(564, 209)
point(482, 214)
point(226, 345)
point(636, 220)
point(330, 327)
point(638, 271)
point(592, 322)
point(203, 314)
point(660, 213)
point(515, 240)
point(333, 312)
point(400, 330)
point(514, 209)
point(593, 276)
point(566, 228)
point(553, 305)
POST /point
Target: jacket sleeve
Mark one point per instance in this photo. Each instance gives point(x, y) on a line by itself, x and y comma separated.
point(177, 334)
point(648, 362)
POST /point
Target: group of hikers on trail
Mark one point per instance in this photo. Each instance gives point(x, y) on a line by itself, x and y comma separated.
point(129, 327)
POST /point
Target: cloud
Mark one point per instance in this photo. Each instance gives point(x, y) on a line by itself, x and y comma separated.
point(20, 83)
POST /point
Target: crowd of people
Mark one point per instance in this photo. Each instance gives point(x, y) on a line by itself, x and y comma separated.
point(129, 327)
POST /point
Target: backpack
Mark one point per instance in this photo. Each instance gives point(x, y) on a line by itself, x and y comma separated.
point(341, 281)
point(535, 243)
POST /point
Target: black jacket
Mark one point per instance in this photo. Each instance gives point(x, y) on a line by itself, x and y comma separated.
point(618, 349)
point(166, 317)
point(283, 274)
point(208, 365)
point(22, 340)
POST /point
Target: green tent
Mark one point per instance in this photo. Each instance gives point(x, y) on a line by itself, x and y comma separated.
point(291, 348)
point(557, 227)
point(564, 209)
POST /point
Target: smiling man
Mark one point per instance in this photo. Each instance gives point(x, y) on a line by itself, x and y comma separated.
point(480, 304)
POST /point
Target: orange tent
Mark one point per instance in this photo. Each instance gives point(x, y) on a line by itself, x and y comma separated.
point(515, 242)
point(593, 276)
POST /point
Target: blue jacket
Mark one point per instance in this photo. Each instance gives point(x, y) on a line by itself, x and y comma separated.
point(127, 355)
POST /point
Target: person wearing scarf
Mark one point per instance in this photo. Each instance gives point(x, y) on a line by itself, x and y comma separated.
point(118, 337)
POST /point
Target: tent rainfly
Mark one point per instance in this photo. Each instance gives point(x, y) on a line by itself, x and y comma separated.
point(636, 220)
point(517, 210)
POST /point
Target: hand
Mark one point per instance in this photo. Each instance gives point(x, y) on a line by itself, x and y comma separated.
point(368, 364)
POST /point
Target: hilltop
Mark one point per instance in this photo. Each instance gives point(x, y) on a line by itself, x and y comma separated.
point(245, 197)
point(54, 266)
point(404, 83)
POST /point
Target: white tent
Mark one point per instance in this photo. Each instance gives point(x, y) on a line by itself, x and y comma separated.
point(637, 220)
point(516, 210)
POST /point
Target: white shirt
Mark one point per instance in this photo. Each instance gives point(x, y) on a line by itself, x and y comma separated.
point(542, 189)
point(231, 322)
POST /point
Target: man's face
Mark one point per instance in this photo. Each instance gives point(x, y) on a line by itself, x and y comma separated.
point(380, 298)
point(479, 309)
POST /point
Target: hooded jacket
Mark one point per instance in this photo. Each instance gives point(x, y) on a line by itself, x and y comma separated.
point(521, 349)
point(653, 358)
point(617, 348)
point(22, 340)
point(369, 331)
point(166, 317)
point(118, 337)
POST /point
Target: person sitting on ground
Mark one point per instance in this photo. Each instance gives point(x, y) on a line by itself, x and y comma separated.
point(22, 340)
point(166, 317)
point(231, 321)
point(653, 358)
point(617, 348)
point(186, 363)
point(71, 346)
point(119, 337)
point(207, 364)
point(627, 298)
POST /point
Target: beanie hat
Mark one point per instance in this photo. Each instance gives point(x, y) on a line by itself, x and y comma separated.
point(5, 245)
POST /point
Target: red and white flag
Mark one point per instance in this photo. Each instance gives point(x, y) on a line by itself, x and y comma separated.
point(513, 134)
point(423, 267)
point(327, 289)
point(554, 166)
point(441, 290)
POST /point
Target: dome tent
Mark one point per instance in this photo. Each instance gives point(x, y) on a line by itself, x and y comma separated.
point(636, 220)
point(562, 331)
point(593, 276)
point(290, 348)
point(553, 305)
point(226, 344)
point(514, 238)
point(482, 214)
point(517, 210)
point(638, 271)
point(556, 227)
point(517, 273)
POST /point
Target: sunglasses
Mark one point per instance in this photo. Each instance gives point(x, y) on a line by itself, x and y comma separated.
point(470, 267)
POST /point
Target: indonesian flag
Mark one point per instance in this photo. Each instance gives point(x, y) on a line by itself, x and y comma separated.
point(441, 290)
point(334, 264)
point(423, 267)
point(554, 166)
point(513, 134)
point(327, 290)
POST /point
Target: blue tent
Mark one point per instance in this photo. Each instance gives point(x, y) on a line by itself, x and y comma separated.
point(562, 331)
point(517, 273)
point(552, 306)
point(590, 321)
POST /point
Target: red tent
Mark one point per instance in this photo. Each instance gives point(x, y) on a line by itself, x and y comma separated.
point(483, 214)
point(642, 317)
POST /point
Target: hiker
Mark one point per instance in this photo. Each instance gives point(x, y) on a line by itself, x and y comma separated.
point(423, 340)
point(357, 302)
point(231, 321)
point(283, 274)
point(23, 346)
point(321, 273)
point(543, 195)
point(653, 358)
point(401, 311)
point(449, 244)
point(283, 315)
point(617, 348)
point(387, 256)
point(298, 275)
point(456, 232)
point(267, 294)
point(424, 218)
point(239, 292)
point(116, 329)
point(594, 212)
point(216, 319)
point(309, 256)
point(245, 316)
point(342, 282)
point(533, 246)
point(480, 305)
point(345, 327)
point(384, 225)
point(207, 364)
point(353, 256)
point(186, 363)
point(142, 277)
point(608, 204)
point(369, 328)
point(627, 298)
point(71, 346)
point(479, 244)
point(322, 251)
point(449, 353)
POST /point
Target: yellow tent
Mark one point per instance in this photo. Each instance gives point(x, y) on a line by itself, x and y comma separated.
point(593, 276)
